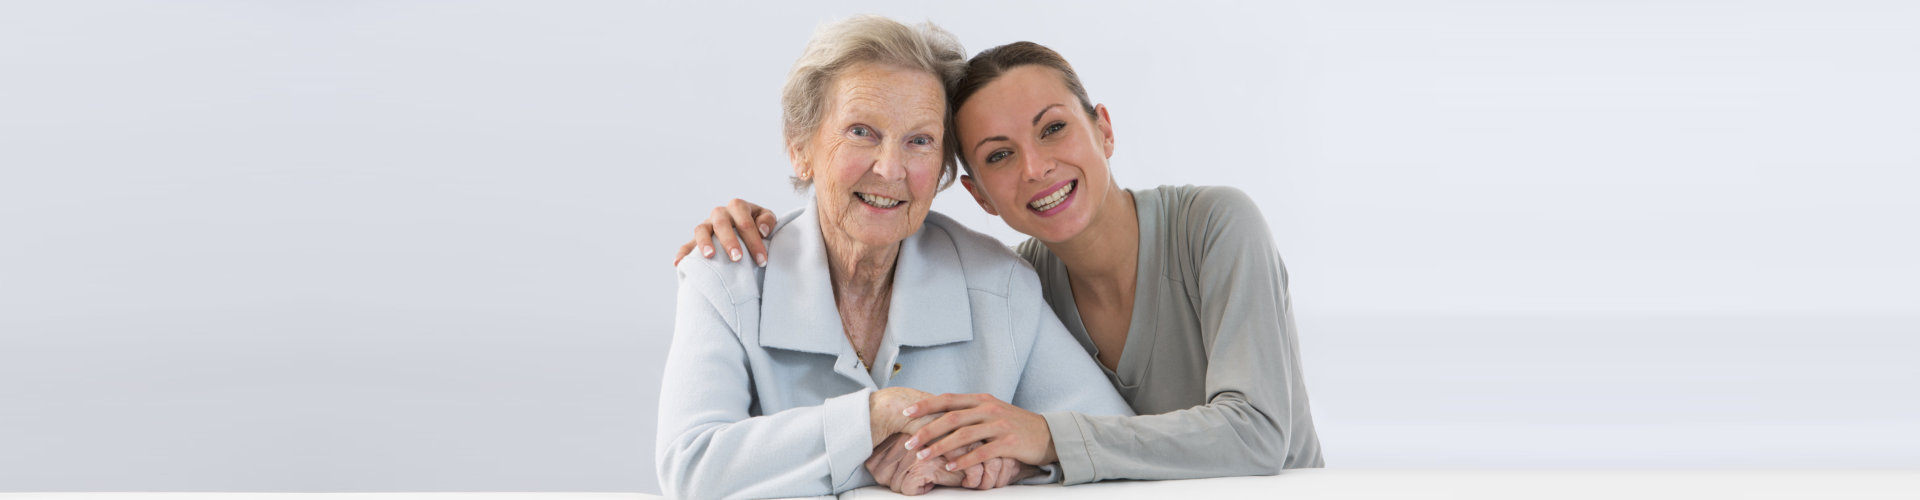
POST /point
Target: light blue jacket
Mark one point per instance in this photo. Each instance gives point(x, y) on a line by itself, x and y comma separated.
point(764, 397)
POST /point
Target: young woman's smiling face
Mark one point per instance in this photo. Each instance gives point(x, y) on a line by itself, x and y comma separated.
point(1039, 162)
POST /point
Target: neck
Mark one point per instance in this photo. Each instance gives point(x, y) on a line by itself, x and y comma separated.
point(861, 273)
point(1103, 258)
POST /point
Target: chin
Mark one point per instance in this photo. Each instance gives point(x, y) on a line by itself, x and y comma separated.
point(873, 236)
point(1053, 230)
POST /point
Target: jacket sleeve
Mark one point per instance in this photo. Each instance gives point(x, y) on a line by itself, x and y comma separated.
point(710, 443)
point(1252, 372)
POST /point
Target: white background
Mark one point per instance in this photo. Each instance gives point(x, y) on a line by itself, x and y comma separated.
point(357, 245)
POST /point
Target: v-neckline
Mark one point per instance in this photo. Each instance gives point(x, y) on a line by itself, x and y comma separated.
point(1127, 372)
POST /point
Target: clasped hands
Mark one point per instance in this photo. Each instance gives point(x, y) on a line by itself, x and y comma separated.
point(966, 440)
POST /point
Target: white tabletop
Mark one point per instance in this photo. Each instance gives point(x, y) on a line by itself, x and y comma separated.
point(1310, 484)
point(1301, 484)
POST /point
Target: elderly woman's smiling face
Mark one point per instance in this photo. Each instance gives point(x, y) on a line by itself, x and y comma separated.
point(875, 159)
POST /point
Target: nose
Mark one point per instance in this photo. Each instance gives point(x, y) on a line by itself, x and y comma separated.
point(1037, 166)
point(891, 165)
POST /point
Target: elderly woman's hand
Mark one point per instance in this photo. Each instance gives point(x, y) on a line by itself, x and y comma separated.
point(741, 227)
point(885, 410)
point(894, 467)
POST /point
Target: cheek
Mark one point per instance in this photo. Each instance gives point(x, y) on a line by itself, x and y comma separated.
point(846, 166)
point(925, 177)
point(996, 187)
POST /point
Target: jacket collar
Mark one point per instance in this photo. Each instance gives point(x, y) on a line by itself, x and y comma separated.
point(797, 309)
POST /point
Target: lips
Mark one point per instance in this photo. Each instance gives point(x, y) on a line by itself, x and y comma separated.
point(1053, 198)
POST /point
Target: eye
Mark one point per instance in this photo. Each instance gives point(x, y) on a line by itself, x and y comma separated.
point(861, 131)
point(922, 141)
point(996, 156)
point(1052, 128)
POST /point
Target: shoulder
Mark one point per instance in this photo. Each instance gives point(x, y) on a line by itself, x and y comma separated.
point(1213, 225)
point(723, 282)
point(985, 262)
point(1035, 253)
point(1208, 215)
point(1205, 207)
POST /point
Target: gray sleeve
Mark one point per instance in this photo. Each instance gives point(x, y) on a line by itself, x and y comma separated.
point(1245, 321)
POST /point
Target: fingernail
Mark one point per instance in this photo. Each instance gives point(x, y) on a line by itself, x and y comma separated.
point(761, 259)
point(949, 467)
point(911, 442)
point(910, 410)
point(923, 456)
point(706, 251)
point(765, 231)
point(734, 254)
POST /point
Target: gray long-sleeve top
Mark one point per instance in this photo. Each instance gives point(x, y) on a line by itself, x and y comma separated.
point(1211, 362)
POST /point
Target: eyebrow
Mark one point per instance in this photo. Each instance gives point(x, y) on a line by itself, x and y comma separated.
point(1036, 121)
point(1043, 112)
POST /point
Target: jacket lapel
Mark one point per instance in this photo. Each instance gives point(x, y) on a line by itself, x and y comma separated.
point(797, 310)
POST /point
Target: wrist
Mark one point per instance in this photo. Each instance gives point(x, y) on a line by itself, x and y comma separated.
point(1046, 434)
point(878, 423)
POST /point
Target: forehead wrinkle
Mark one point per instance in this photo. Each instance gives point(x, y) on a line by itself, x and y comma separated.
point(864, 93)
point(919, 114)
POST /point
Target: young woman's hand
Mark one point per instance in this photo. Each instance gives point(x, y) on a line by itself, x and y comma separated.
point(735, 222)
point(1004, 430)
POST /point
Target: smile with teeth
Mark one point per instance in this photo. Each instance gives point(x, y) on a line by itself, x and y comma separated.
point(877, 201)
point(1053, 200)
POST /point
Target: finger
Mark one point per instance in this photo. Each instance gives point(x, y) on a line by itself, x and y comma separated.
point(995, 473)
point(938, 428)
point(885, 458)
point(917, 424)
point(960, 438)
point(1009, 472)
point(766, 218)
point(722, 222)
point(902, 479)
point(925, 484)
point(703, 238)
point(684, 250)
point(745, 226)
point(975, 477)
point(978, 455)
point(944, 403)
point(985, 477)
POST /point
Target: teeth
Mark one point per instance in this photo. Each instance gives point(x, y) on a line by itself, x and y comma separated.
point(1047, 203)
point(877, 200)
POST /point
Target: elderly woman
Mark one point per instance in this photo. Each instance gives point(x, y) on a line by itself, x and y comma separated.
point(782, 379)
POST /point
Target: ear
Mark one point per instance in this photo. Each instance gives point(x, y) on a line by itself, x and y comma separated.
point(978, 196)
point(797, 155)
point(1106, 128)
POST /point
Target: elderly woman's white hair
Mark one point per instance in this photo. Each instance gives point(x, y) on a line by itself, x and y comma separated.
point(867, 39)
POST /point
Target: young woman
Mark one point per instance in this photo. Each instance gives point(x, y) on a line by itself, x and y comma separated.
point(1178, 292)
